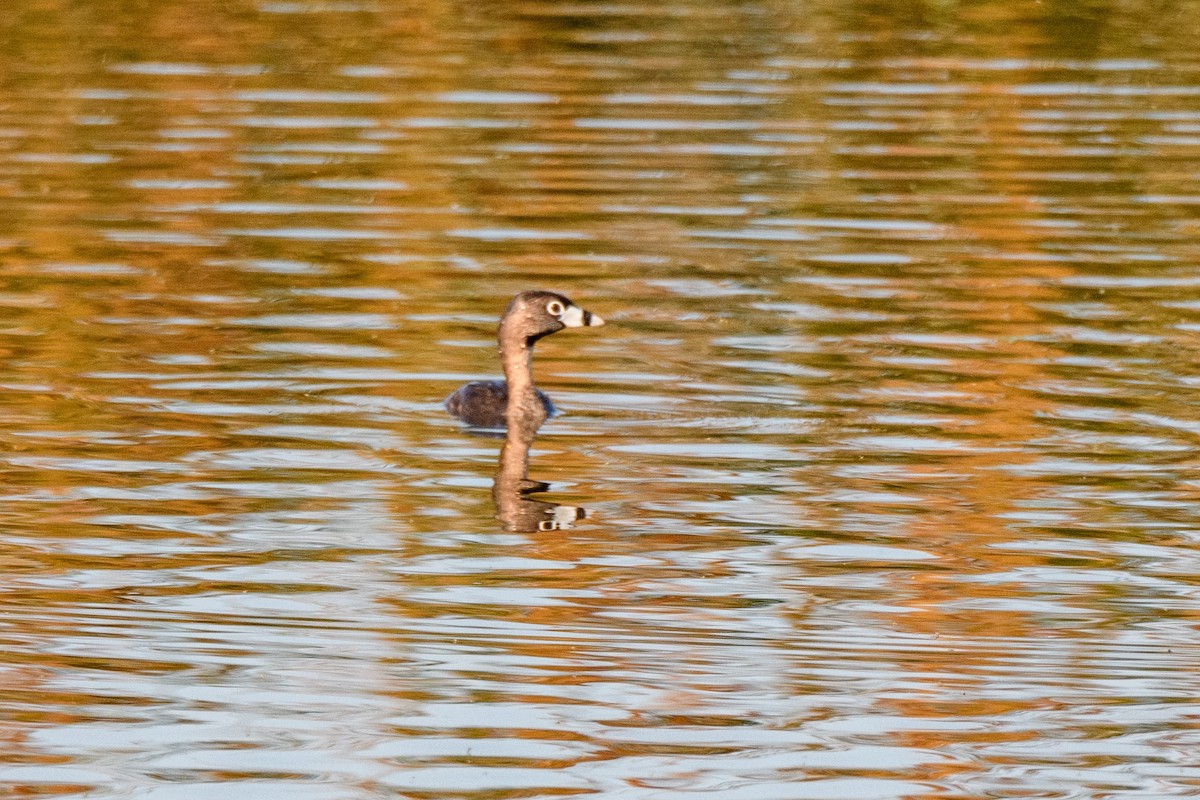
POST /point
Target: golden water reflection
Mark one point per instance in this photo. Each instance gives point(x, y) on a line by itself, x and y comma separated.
point(886, 452)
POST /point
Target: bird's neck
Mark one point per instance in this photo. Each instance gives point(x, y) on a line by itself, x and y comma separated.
point(517, 359)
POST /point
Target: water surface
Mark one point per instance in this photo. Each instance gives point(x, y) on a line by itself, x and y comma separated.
point(886, 451)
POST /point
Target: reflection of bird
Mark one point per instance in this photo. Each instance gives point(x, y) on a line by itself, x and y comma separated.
point(512, 487)
point(529, 317)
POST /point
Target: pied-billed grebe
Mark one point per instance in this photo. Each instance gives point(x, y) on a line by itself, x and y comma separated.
point(529, 317)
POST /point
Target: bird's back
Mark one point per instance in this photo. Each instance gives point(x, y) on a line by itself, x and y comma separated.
point(483, 404)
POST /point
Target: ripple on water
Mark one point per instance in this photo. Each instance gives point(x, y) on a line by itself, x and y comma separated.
point(885, 449)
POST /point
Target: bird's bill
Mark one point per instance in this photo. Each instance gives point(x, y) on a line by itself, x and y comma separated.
point(576, 317)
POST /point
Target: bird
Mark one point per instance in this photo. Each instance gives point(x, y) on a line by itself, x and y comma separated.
point(529, 317)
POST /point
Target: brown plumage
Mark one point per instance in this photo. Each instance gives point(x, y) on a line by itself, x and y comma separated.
point(529, 317)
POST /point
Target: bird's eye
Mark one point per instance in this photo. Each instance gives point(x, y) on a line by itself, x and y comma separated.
point(555, 308)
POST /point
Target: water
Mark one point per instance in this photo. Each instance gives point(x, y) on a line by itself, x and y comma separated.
point(885, 453)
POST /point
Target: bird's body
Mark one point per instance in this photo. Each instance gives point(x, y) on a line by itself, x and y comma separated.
point(484, 404)
point(529, 317)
